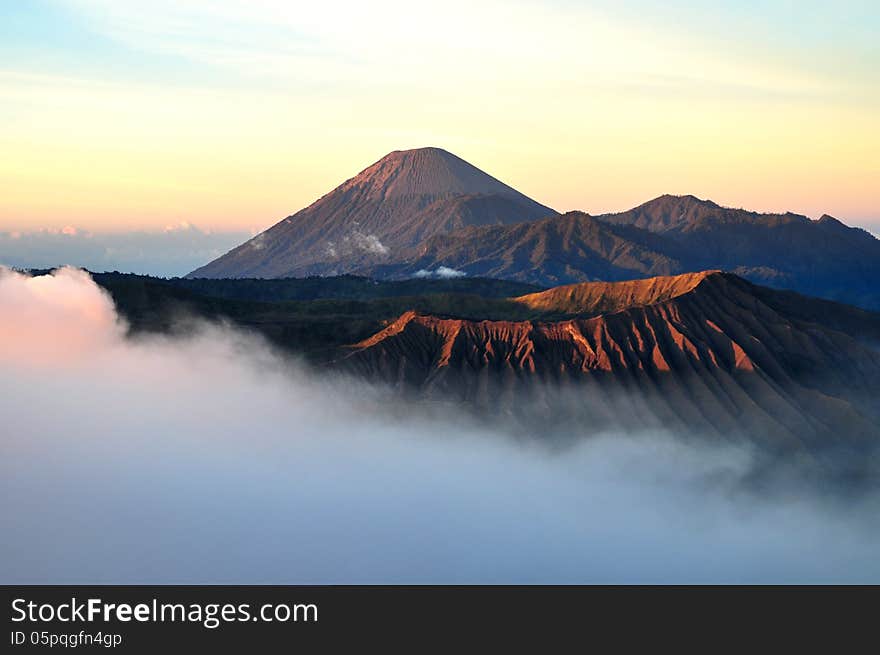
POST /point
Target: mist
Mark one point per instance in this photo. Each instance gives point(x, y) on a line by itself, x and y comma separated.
point(173, 251)
point(209, 458)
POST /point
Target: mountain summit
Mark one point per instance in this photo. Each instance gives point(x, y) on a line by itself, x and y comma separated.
point(402, 199)
point(427, 171)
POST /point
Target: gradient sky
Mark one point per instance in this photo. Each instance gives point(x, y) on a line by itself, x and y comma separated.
point(230, 114)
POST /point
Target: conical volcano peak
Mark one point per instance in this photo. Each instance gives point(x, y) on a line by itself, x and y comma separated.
point(427, 171)
point(428, 151)
point(399, 201)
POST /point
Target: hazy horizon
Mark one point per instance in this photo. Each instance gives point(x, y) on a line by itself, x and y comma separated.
point(170, 251)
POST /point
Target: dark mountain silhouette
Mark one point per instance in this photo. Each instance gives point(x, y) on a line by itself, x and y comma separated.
point(822, 258)
point(402, 199)
point(555, 250)
point(668, 235)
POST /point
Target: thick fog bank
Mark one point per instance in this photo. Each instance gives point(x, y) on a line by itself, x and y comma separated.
point(211, 460)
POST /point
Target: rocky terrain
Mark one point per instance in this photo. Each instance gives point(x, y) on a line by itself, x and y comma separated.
point(708, 354)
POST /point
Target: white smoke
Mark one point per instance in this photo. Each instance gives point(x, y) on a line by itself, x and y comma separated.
point(258, 242)
point(368, 243)
point(209, 459)
point(356, 243)
point(441, 272)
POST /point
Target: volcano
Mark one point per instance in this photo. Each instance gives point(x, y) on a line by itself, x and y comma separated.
point(427, 212)
point(707, 354)
point(399, 201)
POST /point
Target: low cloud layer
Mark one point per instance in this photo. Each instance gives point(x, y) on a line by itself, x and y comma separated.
point(174, 251)
point(209, 459)
point(441, 272)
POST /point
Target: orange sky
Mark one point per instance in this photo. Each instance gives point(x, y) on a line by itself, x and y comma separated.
point(231, 115)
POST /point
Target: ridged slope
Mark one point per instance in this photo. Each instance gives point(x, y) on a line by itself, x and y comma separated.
point(402, 199)
point(609, 297)
point(710, 355)
point(555, 250)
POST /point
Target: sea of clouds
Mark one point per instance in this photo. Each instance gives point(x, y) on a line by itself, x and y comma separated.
point(173, 251)
point(211, 459)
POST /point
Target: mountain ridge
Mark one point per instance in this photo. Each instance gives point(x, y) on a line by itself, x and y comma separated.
point(709, 354)
point(572, 247)
point(418, 211)
point(822, 258)
point(609, 297)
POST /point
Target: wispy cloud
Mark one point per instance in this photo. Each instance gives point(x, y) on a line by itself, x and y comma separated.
point(345, 40)
point(442, 272)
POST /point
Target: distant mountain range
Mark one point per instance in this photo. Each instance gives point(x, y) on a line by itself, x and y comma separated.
point(417, 212)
